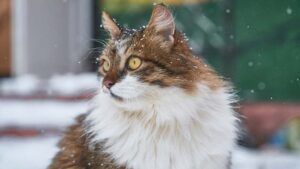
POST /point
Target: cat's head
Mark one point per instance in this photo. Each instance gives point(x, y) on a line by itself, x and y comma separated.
point(143, 63)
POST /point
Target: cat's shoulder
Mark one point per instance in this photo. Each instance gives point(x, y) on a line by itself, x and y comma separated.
point(76, 151)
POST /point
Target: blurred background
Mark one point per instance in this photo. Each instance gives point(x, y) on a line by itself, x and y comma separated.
point(48, 51)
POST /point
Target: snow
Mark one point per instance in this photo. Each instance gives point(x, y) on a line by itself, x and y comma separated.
point(250, 64)
point(23, 85)
point(261, 85)
point(71, 84)
point(289, 11)
point(34, 153)
point(253, 159)
point(40, 113)
point(44, 113)
point(65, 85)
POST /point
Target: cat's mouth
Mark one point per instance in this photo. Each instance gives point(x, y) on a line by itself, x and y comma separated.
point(113, 95)
point(119, 98)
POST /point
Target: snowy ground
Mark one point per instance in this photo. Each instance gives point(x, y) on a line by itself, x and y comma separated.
point(34, 152)
point(37, 152)
point(30, 153)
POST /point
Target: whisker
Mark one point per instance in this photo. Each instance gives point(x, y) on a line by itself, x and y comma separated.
point(90, 53)
point(102, 42)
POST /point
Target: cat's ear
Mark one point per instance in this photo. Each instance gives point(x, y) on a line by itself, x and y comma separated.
point(162, 22)
point(110, 25)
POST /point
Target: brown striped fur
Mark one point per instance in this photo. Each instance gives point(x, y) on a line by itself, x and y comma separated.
point(77, 153)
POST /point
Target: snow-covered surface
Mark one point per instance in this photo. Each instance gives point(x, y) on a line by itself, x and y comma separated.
point(39, 113)
point(66, 85)
point(36, 153)
point(23, 85)
point(72, 84)
point(267, 159)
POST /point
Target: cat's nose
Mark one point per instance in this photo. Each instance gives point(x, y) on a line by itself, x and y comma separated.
point(108, 83)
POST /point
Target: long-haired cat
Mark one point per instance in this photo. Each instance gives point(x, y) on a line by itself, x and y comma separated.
point(158, 106)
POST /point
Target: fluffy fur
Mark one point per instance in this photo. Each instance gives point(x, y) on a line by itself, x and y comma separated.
point(171, 130)
point(173, 112)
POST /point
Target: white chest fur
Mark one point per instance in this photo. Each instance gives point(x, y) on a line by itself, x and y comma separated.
point(172, 131)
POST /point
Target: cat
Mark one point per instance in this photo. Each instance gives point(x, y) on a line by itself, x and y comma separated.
point(158, 106)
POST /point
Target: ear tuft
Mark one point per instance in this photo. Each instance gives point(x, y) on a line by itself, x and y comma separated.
point(163, 22)
point(110, 25)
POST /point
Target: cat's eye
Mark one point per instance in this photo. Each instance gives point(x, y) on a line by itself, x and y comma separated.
point(134, 63)
point(106, 65)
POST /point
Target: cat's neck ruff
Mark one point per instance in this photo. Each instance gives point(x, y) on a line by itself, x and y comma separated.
point(170, 130)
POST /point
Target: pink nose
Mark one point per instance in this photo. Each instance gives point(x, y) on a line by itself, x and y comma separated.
point(108, 83)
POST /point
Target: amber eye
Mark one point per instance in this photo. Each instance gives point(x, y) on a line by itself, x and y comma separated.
point(106, 65)
point(134, 63)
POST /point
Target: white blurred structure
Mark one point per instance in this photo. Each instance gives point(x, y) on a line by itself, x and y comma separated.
point(50, 36)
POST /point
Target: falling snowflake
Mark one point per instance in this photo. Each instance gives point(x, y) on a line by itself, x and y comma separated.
point(261, 85)
point(289, 11)
point(250, 64)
